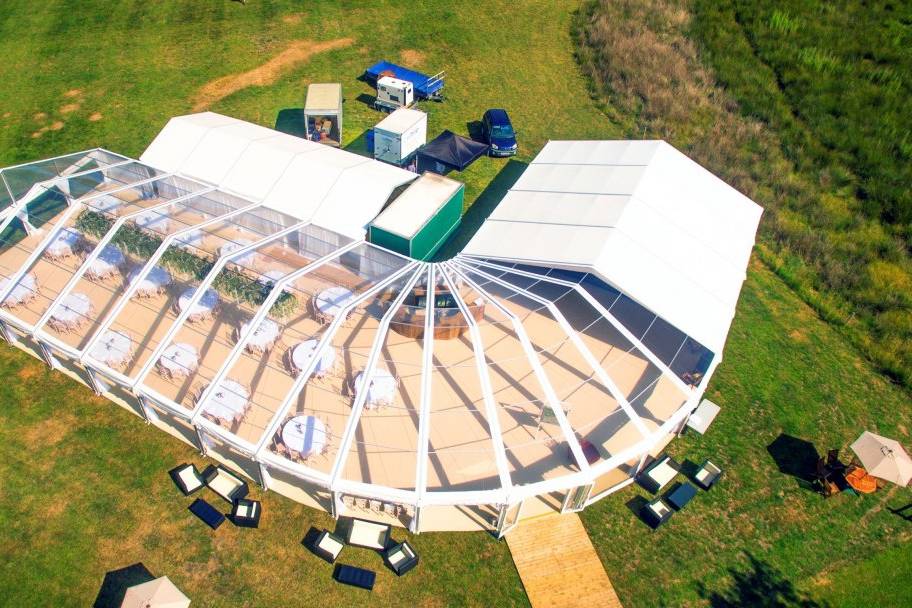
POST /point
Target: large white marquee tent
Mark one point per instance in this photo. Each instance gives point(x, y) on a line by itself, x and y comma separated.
point(221, 288)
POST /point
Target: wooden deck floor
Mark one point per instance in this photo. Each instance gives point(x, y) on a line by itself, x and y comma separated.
point(558, 564)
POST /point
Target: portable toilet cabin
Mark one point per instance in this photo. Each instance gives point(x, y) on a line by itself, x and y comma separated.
point(323, 113)
point(398, 136)
point(419, 221)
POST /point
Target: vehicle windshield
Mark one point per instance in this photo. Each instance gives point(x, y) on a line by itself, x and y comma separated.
point(505, 131)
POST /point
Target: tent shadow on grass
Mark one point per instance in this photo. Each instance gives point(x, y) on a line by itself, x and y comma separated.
point(116, 582)
point(795, 457)
point(485, 204)
point(291, 121)
point(760, 585)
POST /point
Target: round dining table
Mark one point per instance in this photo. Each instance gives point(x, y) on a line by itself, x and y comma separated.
point(263, 337)
point(233, 246)
point(107, 264)
point(106, 203)
point(305, 435)
point(24, 292)
point(203, 309)
point(153, 220)
point(190, 240)
point(228, 401)
point(302, 354)
point(179, 360)
point(382, 389)
point(329, 303)
point(71, 313)
point(154, 283)
point(64, 244)
point(113, 348)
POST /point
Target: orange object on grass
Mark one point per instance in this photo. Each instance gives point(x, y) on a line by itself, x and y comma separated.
point(859, 479)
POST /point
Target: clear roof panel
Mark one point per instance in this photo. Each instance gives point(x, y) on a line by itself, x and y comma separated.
point(265, 367)
point(75, 232)
point(153, 307)
point(535, 445)
point(461, 455)
point(329, 393)
point(19, 180)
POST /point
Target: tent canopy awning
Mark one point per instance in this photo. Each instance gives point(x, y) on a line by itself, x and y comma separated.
point(453, 150)
point(332, 188)
point(640, 215)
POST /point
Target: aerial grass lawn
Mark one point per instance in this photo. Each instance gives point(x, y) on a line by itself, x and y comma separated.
point(84, 486)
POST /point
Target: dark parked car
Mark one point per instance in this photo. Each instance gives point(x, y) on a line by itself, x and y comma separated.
point(498, 133)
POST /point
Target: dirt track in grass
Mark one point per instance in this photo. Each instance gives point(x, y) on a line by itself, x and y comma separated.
point(297, 52)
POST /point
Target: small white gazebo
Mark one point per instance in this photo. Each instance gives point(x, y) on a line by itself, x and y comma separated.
point(159, 593)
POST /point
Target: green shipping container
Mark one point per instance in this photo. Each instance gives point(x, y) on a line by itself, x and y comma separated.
point(419, 221)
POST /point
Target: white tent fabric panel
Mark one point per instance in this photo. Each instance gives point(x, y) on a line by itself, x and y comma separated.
point(177, 140)
point(562, 208)
point(215, 156)
point(689, 196)
point(583, 179)
point(263, 163)
point(534, 243)
point(678, 242)
point(358, 197)
point(598, 152)
point(332, 188)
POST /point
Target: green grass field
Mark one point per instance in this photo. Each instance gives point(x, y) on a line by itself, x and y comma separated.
point(83, 484)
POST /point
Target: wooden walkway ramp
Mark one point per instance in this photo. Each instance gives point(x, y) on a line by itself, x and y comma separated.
point(558, 564)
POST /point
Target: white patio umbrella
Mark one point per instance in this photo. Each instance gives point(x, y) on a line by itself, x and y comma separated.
point(160, 593)
point(883, 458)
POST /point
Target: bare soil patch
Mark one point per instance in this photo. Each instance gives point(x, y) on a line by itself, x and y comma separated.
point(95, 116)
point(40, 116)
point(73, 93)
point(292, 19)
point(297, 52)
point(47, 432)
point(56, 125)
point(69, 108)
point(411, 58)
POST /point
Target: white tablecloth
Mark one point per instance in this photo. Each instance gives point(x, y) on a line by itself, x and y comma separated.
point(202, 309)
point(264, 336)
point(382, 388)
point(72, 312)
point(230, 247)
point(303, 353)
point(179, 360)
point(228, 401)
point(153, 220)
point(23, 292)
point(153, 283)
point(113, 348)
point(305, 435)
point(107, 263)
point(64, 244)
point(192, 239)
point(105, 202)
point(330, 302)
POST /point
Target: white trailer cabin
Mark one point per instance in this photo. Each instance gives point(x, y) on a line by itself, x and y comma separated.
point(393, 93)
point(323, 113)
point(398, 136)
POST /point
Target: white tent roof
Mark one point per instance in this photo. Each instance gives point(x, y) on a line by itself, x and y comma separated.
point(335, 189)
point(640, 215)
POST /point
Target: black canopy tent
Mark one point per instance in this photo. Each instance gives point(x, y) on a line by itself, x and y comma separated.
point(449, 151)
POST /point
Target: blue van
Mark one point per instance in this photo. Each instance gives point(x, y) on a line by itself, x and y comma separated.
point(498, 133)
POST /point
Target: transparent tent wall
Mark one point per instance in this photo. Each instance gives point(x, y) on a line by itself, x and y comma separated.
point(297, 488)
point(437, 518)
point(172, 424)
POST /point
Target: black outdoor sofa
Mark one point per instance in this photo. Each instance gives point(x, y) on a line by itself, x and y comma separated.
point(356, 577)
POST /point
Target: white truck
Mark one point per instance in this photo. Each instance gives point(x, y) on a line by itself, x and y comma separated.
point(393, 94)
point(398, 136)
